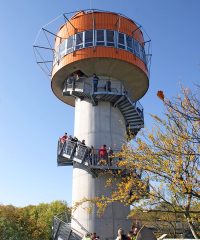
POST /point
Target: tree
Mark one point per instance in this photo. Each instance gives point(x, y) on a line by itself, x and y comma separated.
point(166, 159)
point(31, 222)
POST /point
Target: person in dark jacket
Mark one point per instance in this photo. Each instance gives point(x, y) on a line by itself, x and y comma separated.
point(95, 82)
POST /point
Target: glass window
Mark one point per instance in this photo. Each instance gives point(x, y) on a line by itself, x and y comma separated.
point(79, 40)
point(110, 36)
point(70, 44)
point(142, 54)
point(121, 38)
point(136, 48)
point(89, 38)
point(100, 37)
point(55, 56)
point(129, 43)
point(62, 49)
point(121, 43)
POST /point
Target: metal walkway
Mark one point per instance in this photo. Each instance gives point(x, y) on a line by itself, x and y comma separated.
point(75, 154)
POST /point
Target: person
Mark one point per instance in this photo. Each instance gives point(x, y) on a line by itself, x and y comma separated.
point(65, 85)
point(73, 79)
point(95, 82)
point(110, 156)
point(75, 139)
point(103, 152)
point(70, 78)
point(83, 142)
point(92, 155)
point(130, 236)
point(103, 155)
point(121, 235)
point(94, 236)
point(135, 231)
point(108, 85)
point(64, 138)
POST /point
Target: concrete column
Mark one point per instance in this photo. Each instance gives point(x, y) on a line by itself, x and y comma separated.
point(98, 125)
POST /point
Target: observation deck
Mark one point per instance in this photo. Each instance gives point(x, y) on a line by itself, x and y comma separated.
point(95, 41)
point(75, 154)
point(105, 43)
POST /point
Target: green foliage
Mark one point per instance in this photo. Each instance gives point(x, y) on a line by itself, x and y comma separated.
point(31, 222)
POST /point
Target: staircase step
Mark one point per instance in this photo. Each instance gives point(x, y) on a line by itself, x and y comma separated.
point(133, 114)
point(124, 105)
point(123, 101)
point(134, 126)
point(134, 118)
point(129, 107)
point(135, 121)
point(131, 110)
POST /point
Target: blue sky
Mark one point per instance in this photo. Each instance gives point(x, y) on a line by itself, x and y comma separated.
point(32, 118)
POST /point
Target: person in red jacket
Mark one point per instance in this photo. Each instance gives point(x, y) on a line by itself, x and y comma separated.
point(64, 138)
point(103, 152)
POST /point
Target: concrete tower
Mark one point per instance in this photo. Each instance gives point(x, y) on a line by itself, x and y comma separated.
point(111, 46)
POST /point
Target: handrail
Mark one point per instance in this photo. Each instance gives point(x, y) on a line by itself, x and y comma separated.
point(84, 154)
point(67, 222)
point(71, 230)
point(95, 10)
point(88, 88)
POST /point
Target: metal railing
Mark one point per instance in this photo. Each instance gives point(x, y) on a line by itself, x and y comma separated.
point(139, 108)
point(61, 229)
point(86, 85)
point(75, 151)
point(66, 148)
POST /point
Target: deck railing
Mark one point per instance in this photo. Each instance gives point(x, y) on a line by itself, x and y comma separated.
point(85, 85)
point(75, 151)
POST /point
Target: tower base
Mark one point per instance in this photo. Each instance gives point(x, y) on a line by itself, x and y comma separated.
point(114, 217)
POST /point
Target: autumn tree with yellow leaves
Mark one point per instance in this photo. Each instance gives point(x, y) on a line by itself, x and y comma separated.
point(162, 166)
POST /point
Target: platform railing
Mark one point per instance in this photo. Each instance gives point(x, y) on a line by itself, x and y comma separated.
point(77, 152)
point(66, 148)
point(86, 85)
point(61, 228)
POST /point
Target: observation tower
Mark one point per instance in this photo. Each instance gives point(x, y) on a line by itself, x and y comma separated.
point(98, 62)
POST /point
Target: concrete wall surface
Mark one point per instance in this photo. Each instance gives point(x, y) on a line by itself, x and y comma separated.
point(101, 124)
point(98, 125)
